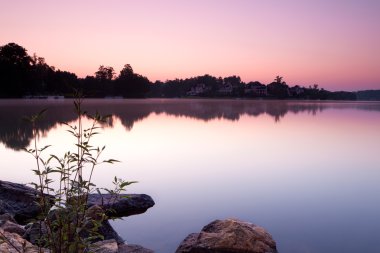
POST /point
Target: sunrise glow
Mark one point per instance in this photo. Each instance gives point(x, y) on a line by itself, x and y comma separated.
point(332, 43)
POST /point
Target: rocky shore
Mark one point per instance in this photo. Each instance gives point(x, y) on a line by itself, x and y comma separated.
point(18, 206)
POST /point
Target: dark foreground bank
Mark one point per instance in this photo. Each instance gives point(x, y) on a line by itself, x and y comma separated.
point(18, 207)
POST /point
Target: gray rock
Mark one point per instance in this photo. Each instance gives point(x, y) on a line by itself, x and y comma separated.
point(35, 231)
point(19, 200)
point(19, 243)
point(107, 246)
point(109, 233)
point(34, 235)
point(106, 230)
point(133, 248)
point(12, 227)
point(7, 217)
point(229, 236)
point(122, 205)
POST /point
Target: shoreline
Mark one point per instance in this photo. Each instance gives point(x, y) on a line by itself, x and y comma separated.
point(192, 98)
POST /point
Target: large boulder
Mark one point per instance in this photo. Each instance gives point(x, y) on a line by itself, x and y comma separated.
point(122, 205)
point(34, 231)
point(229, 236)
point(18, 205)
point(19, 200)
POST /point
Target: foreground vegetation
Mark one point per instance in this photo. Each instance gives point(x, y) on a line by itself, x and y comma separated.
point(66, 223)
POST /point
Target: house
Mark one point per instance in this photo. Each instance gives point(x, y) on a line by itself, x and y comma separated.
point(256, 89)
point(198, 90)
point(226, 89)
point(296, 90)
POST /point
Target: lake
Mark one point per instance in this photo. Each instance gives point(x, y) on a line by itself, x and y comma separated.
point(308, 172)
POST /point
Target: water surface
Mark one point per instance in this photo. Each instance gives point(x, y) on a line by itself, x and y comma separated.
point(306, 171)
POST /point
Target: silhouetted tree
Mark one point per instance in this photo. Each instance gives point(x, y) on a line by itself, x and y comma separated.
point(234, 80)
point(40, 78)
point(368, 95)
point(278, 88)
point(129, 84)
point(63, 83)
point(342, 95)
point(91, 86)
point(21, 74)
point(104, 76)
point(126, 72)
point(15, 66)
point(279, 79)
point(105, 73)
point(14, 54)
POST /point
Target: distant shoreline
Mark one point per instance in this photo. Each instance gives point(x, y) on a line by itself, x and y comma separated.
point(58, 98)
point(25, 76)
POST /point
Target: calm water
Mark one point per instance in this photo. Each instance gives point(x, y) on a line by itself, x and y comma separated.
point(306, 171)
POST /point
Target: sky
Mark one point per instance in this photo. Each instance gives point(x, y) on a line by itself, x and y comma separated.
point(335, 44)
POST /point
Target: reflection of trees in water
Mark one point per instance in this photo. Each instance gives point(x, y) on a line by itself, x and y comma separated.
point(17, 134)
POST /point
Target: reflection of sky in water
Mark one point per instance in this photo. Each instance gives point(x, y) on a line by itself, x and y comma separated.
point(311, 180)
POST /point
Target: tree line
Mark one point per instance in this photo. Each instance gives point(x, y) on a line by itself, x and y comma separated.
point(23, 75)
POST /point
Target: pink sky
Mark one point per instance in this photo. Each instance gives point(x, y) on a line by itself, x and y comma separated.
point(335, 44)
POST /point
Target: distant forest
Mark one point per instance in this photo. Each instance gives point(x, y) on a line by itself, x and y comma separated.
point(25, 76)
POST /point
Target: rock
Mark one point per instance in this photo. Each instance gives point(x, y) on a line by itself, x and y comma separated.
point(7, 217)
point(107, 246)
point(18, 242)
point(133, 248)
point(95, 212)
point(109, 233)
point(12, 227)
point(229, 236)
point(122, 205)
point(33, 234)
point(8, 224)
point(106, 230)
point(18, 200)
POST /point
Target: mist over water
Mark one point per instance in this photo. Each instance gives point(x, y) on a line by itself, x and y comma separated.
point(306, 171)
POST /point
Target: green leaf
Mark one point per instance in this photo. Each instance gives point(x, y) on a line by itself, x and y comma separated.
point(81, 146)
point(41, 113)
point(124, 184)
point(37, 172)
point(111, 161)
